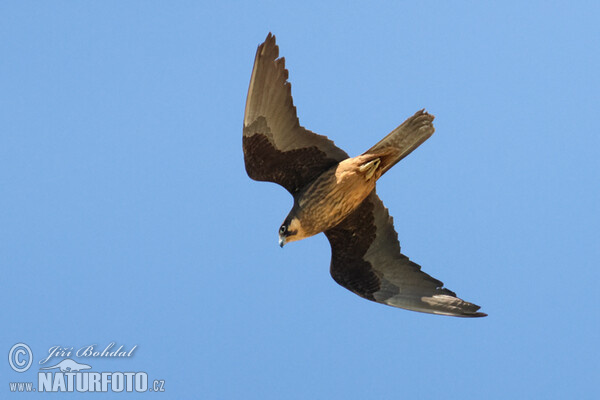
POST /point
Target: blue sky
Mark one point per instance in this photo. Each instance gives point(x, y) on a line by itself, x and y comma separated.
point(126, 214)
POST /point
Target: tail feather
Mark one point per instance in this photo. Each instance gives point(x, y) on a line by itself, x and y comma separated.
point(403, 140)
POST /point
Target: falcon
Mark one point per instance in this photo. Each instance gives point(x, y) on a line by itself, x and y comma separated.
point(335, 194)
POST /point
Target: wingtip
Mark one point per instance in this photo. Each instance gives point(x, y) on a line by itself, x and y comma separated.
point(473, 312)
point(477, 315)
point(270, 39)
point(268, 48)
point(463, 314)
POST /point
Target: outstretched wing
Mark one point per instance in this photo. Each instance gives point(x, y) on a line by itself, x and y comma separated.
point(366, 259)
point(276, 147)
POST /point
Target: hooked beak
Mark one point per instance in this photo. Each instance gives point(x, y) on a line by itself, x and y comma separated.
point(281, 241)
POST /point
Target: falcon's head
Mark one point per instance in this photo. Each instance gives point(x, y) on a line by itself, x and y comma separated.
point(290, 231)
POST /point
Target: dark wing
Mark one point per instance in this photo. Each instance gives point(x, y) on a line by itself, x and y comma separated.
point(276, 147)
point(366, 259)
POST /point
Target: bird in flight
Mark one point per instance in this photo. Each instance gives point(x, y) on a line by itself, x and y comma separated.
point(335, 194)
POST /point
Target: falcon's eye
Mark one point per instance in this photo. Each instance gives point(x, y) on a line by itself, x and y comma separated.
point(282, 229)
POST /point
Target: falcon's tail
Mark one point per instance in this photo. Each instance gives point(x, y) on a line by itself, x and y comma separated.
point(403, 140)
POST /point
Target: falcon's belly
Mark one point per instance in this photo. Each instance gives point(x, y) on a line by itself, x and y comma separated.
point(336, 193)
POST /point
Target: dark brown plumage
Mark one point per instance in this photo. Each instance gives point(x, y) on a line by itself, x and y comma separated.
point(336, 195)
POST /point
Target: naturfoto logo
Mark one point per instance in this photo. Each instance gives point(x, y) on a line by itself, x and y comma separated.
point(68, 375)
